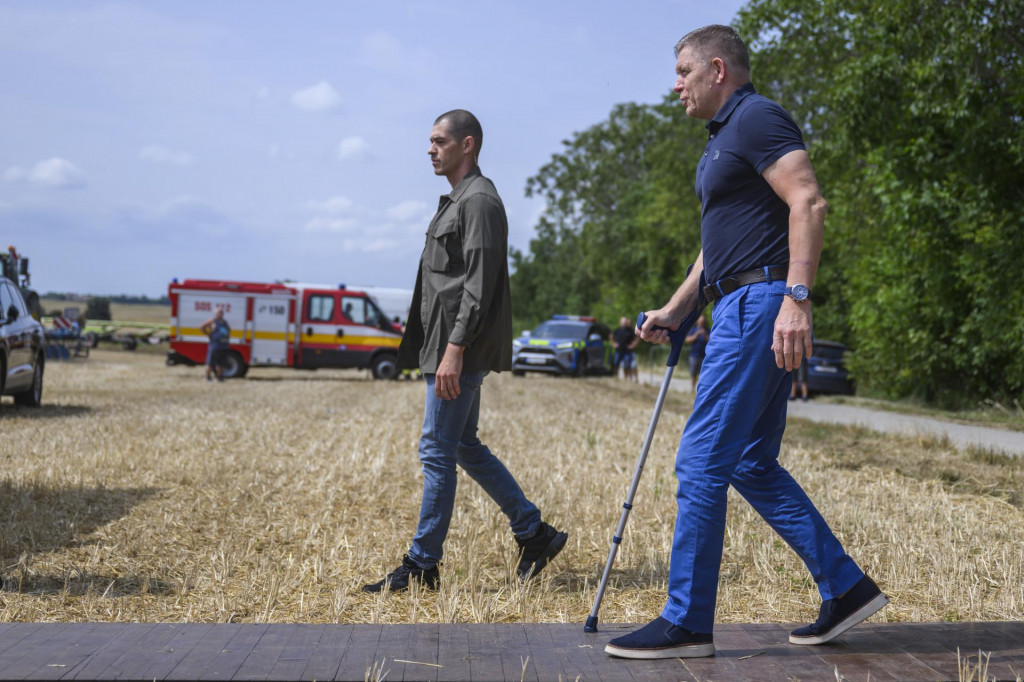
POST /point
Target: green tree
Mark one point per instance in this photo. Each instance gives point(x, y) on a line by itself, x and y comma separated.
point(914, 111)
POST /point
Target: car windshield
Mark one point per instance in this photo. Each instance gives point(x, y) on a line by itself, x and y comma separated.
point(560, 330)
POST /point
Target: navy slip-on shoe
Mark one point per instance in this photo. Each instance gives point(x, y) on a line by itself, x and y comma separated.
point(838, 615)
point(662, 639)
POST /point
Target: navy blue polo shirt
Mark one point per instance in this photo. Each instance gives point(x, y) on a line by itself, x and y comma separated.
point(744, 224)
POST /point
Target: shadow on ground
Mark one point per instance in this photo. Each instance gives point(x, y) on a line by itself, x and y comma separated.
point(36, 518)
point(11, 411)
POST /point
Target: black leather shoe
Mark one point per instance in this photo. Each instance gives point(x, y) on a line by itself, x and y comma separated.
point(535, 553)
point(399, 579)
point(838, 615)
point(662, 639)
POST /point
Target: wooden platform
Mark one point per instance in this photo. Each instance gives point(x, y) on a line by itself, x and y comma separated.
point(536, 652)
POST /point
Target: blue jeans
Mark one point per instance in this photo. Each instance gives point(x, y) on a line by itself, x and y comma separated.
point(732, 438)
point(449, 438)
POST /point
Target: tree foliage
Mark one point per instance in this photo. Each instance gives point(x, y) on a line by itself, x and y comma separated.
point(98, 308)
point(913, 115)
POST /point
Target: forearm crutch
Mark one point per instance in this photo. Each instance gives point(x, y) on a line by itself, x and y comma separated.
point(676, 337)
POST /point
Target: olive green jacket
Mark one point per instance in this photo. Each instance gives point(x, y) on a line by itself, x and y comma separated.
point(462, 290)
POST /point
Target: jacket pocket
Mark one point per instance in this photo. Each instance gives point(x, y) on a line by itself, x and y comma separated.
point(436, 256)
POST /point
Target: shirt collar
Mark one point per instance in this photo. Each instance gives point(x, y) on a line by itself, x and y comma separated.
point(463, 185)
point(730, 105)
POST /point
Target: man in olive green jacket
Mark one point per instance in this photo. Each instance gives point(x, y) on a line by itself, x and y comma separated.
point(460, 328)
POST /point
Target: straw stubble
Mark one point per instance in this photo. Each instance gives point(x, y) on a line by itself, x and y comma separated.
point(143, 493)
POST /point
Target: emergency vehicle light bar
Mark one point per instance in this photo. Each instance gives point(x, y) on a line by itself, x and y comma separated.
point(578, 318)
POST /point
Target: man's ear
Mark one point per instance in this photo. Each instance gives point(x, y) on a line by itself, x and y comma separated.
point(469, 145)
point(720, 69)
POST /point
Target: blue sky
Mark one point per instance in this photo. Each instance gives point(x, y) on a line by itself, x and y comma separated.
point(266, 140)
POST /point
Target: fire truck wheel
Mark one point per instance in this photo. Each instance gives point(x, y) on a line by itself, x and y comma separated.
point(234, 367)
point(384, 366)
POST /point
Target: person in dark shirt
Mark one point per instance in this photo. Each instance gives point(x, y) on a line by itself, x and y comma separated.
point(698, 340)
point(762, 226)
point(459, 330)
point(625, 340)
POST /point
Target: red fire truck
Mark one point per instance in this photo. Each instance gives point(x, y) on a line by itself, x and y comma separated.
point(305, 326)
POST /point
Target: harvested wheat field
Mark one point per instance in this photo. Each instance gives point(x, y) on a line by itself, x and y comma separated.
point(143, 493)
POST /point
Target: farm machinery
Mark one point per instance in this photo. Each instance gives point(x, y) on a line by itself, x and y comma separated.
point(14, 267)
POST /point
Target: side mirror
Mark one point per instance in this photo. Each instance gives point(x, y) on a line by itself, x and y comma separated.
point(12, 313)
point(24, 266)
point(526, 333)
point(594, 337)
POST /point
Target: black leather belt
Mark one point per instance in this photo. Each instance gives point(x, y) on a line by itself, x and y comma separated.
point(729, 284)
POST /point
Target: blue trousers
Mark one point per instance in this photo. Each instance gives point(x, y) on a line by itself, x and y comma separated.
point(449, 438)
point(732, 438)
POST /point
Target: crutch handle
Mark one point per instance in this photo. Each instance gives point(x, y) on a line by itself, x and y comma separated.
point(677, 337)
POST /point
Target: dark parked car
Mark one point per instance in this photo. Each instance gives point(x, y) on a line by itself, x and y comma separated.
point(826, 371)
point(22, 355)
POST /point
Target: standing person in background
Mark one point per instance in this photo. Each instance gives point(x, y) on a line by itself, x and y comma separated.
point(762, 226)
point(625, 339)
point(698, 340)
point(459, 330)
point(219, 332)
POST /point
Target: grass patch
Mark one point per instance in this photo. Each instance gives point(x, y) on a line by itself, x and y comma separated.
point(140, 492)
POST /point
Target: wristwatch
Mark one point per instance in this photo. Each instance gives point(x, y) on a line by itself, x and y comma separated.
point(798, 292)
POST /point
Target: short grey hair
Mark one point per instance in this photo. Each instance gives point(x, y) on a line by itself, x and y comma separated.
point(716, 40)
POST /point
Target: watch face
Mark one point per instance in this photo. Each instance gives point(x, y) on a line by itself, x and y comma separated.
point(799, 292)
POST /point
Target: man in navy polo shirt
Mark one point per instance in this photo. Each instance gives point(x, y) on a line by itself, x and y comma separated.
point(762, 223)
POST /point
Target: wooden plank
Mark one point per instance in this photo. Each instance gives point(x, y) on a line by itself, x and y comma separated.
point(134, 660)
point(545, 657)
point(115, 647)
point(929, 644)
point(802, 662)
point(514, 650)
point(164, 659)
point(360, 655)
point(577, 661)
point(750, 658)
point(223, 664)
point(58, 663)
point(880, 655)
point(266, 652)
point(453, 652)
point(34, 652)
point(411, 651)
point(324, 662)
point(296, 654)
point(485, 660)
point(13, 635)
point(203, 654)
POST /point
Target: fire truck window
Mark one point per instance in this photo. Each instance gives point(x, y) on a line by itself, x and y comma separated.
point(321, 308)
point(354, 309)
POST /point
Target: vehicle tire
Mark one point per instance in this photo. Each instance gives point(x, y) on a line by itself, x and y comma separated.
point(233, 366)
point(32, 303)
point(384, 366)
point(130, 343)
point(33, 397)
point(518, 373)
point(92, 339)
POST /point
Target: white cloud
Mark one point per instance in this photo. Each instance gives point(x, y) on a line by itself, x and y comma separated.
point(353, 148)
point(55, 172)
point(158, 154)
point(325, 224)
point(332, 206)
point(317, 98)
point(407, 210)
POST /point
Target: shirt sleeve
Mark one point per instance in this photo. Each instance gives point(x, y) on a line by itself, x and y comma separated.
point(483, 221)
point(768, 133)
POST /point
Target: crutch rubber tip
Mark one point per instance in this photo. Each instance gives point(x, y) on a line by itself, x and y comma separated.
point(591, 625)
